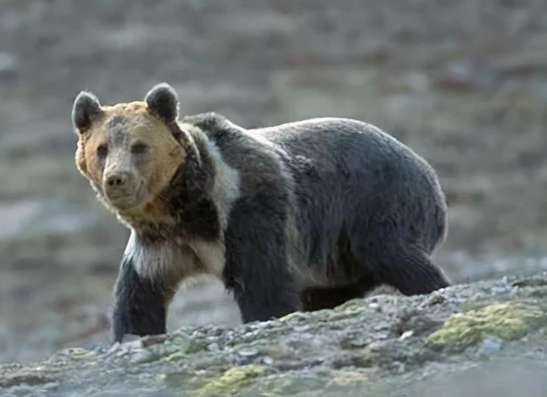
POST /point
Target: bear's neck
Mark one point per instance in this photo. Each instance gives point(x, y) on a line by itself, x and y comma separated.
point(185, 208)
point(152, 222)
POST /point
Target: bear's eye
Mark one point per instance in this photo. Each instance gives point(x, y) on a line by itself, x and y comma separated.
point(102, 150)
point(139, 148)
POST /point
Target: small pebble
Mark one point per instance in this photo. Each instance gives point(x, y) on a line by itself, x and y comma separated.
point(406, 335)
point(248, 353)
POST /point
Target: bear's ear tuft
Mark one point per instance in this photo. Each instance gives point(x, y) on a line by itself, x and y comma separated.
point(163, 101)
point(86, 107)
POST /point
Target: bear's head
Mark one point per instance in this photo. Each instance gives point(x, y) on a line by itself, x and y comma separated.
point(130, 151)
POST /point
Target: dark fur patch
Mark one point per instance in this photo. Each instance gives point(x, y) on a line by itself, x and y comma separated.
point(211, 123)
point(162, 100)
point(177, 133)
point(116, 121)
point(116, 129)
point(256, 267)
point(188, 197)
point(86, 107)
point(140, 306)
point(408, 269)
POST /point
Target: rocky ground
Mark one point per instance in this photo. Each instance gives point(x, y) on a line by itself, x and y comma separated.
point(485, 339)
point(464, 83)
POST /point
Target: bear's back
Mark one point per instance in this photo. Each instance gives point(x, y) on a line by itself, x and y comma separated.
point(350, 155)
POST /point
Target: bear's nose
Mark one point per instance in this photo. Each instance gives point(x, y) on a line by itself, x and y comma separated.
point(118, 179)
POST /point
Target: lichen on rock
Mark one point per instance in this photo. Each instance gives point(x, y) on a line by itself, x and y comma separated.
point(504, 320)
point(230, 381)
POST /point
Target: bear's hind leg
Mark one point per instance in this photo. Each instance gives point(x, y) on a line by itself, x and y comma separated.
point(406, 268)
point(411, 271)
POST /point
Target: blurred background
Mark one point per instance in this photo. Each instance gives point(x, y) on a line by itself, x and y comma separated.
point(464, 83)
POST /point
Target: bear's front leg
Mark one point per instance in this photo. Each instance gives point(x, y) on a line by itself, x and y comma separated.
point(140, 304)
point(257, 266)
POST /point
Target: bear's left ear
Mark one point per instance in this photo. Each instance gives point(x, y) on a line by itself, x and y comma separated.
point(162, 100)
point(85, 109)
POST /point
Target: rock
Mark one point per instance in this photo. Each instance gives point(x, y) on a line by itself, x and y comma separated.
point(420, 345)
point(507, 321)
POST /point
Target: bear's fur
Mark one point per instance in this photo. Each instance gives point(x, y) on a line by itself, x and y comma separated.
point(299, 216)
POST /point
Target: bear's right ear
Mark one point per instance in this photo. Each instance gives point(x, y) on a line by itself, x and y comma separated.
point(162, 100)
point(85, 109)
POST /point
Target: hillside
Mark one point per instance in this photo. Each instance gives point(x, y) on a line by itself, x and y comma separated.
point(486, 338)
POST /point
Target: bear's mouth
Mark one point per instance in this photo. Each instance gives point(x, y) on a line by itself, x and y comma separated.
point(125, 200)
point(122, 201)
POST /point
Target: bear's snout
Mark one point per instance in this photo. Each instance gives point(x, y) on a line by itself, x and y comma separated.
point(120, 189)
point(118, 180)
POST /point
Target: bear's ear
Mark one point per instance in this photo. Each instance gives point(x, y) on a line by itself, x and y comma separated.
point(163, 101)
point(85, 109)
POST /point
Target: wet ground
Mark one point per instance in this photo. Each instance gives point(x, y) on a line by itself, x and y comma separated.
point(463, 83)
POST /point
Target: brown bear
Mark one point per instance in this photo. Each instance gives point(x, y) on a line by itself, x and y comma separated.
point(299, 216)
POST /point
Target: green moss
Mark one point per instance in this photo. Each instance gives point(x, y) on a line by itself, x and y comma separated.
point(172, 350)
point(294, 317)
point(507, 321)
point(196, 347)
point(231, 381)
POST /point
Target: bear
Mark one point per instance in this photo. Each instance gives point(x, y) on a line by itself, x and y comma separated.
point(294, 217)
